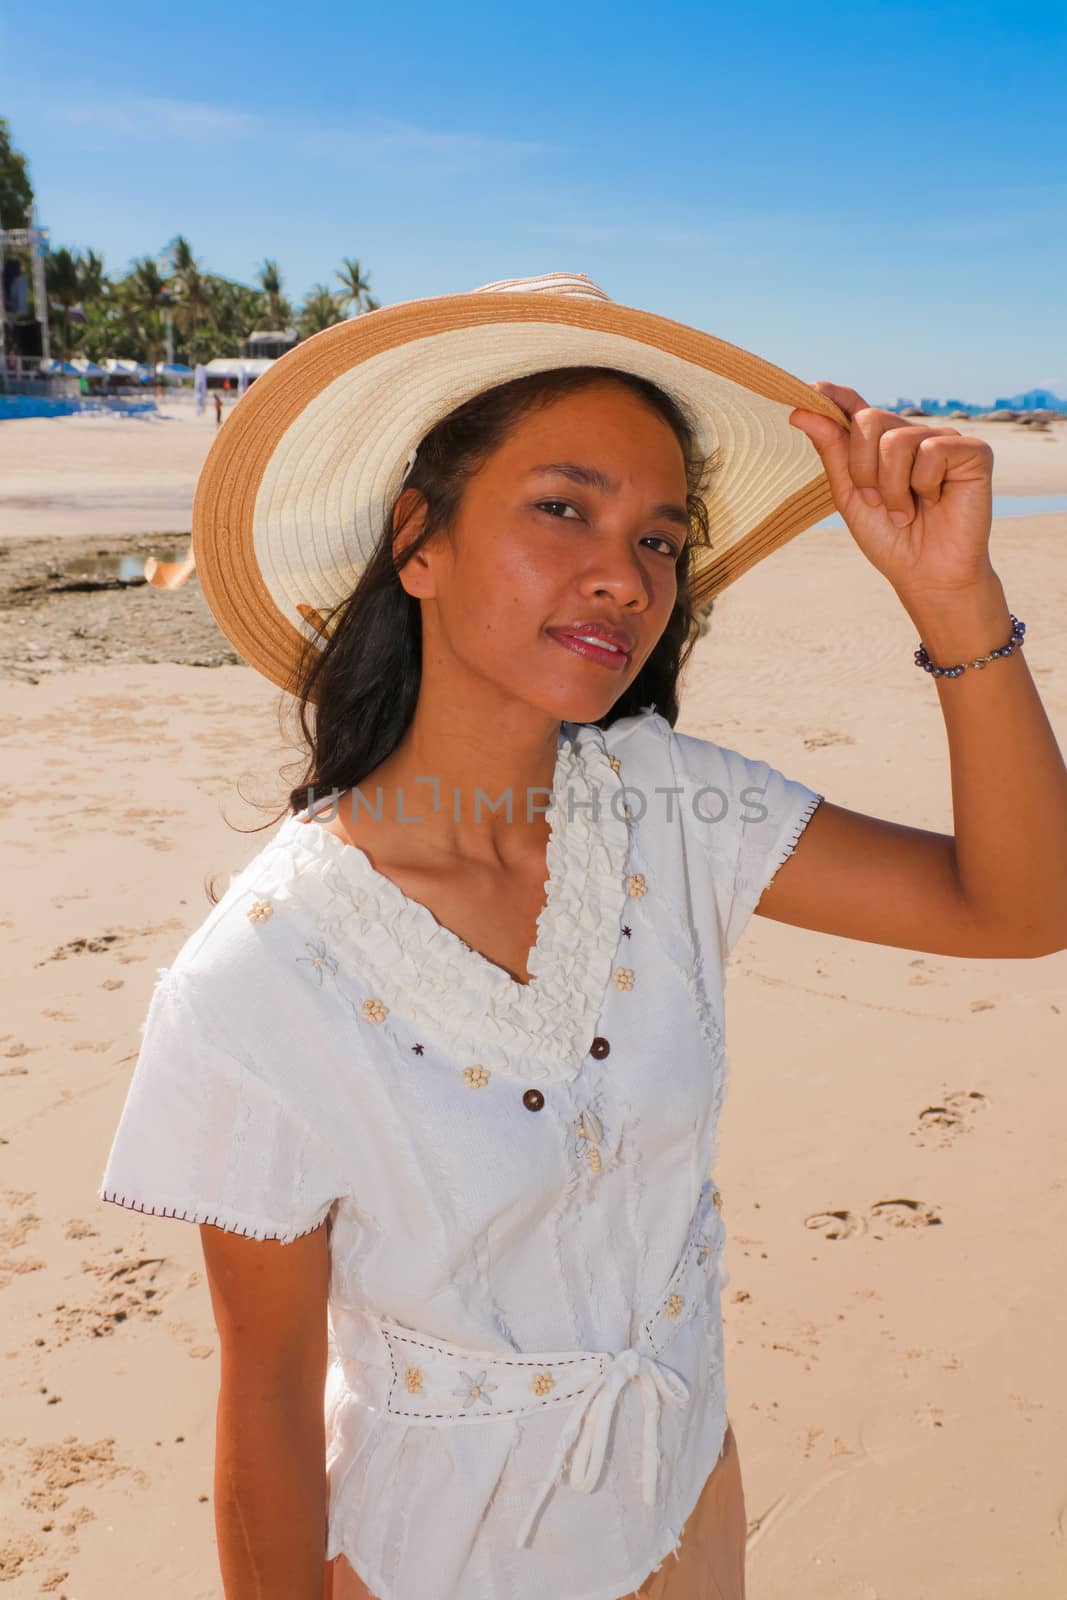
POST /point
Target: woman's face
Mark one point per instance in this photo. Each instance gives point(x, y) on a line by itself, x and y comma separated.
point(577, 519)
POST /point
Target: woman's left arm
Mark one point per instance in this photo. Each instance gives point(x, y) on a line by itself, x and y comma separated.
point(918, 502)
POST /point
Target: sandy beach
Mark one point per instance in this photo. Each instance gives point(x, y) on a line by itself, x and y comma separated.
point(891, 1151)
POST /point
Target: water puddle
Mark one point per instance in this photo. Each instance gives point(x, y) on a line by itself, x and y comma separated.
point(126, 569)
point(1004, 505)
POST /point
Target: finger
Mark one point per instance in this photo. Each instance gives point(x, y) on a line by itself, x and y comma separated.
point(831, 441)
point(931, 467)
point(849, 401)
point(864, 453)
point(915, 461)
point(897, 450)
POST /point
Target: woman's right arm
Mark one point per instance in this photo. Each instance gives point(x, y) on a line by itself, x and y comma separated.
point(270, 1302)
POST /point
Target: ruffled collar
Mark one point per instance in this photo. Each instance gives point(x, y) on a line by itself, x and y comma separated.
point(430, 977)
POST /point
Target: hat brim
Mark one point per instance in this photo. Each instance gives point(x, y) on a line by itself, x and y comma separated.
point(295, 490)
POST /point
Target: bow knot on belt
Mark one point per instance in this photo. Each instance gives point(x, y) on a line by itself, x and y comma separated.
point(588, 1427)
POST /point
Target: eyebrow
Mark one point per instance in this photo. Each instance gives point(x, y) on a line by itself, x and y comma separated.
point(596, 479)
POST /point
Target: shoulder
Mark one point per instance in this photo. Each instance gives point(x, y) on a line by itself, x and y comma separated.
point(250, 932)
point(647, 747)
point(725, 796)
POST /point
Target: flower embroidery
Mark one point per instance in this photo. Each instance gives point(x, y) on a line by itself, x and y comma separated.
point(475, 1077)
point(374, 1011)
point(593, 1157)
point(674, 1305)
point(703, 1253)
point(623, 978)
point(418, 1049)
point(636, 885)
point(717, 1200)
point(320, 959)
point(259, 911)
point(413, 1379)
point(614, 763)
point(543, 1382)
point(474, 1389)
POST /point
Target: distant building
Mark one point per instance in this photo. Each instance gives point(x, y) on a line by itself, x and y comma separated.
point(901, 404)
point(955, 405)
point(269, 345)
point(930, 406)
point(1039, 400)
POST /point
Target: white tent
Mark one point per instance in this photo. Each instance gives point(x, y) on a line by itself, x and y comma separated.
point(230, 367)
point(87, 368)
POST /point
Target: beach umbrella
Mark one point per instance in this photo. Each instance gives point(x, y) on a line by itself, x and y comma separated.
point(54, 368)
point(87, 368)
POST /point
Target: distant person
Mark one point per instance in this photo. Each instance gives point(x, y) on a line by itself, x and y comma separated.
point(218, 408)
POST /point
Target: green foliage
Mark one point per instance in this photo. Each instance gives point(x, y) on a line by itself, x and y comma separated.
point(16, 190)
point(355, 287)
point(321, 309)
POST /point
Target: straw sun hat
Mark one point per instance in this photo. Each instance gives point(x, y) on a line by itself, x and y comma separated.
point(295, 490)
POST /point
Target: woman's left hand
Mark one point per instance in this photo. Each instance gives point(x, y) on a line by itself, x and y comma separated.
point(936, 480)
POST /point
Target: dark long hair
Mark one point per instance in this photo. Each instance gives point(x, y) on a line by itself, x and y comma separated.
point(356, 692)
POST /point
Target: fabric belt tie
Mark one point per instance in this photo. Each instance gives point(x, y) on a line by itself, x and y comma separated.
point(588, 1427)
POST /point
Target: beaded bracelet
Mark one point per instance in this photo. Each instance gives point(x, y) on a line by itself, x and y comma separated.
point(923, 660)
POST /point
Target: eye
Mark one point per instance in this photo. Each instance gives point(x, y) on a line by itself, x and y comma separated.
point(672, 551)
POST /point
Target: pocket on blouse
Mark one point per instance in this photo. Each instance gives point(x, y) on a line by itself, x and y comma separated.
point(699, 1268)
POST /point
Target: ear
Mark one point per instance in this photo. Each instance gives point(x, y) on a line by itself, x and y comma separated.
point(409, 520)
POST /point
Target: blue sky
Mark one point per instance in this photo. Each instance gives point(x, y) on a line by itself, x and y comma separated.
point(872, 194)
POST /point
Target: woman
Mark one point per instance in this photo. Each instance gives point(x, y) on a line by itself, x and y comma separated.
point(439, 1076)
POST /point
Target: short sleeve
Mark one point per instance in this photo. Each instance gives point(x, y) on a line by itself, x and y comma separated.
point(206, 1136)
point(747, 818)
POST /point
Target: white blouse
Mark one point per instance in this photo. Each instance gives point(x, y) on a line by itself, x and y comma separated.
point(525, 1393)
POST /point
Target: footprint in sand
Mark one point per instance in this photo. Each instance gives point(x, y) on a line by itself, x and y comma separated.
point(816, 741)
point(904, 1214)
point(104, 943)
point(130, 1287)
point(951, 1116)
point(15, 1230)
point(835, 1224)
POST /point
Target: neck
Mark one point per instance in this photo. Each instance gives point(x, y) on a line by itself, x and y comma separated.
point(478, 784)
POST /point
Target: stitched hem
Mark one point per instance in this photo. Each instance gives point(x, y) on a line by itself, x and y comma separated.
point(229, 1222)
point(794, 839)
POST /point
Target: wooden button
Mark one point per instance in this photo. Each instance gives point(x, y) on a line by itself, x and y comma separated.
point(533, 1099)
point(600, 1048)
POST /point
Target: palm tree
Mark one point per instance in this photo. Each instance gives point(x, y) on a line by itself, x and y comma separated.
point(355, 287)
point(144, 290)
point(94, 284)
point(193, 296)
point(321, 309)
point(279, 312)
point(63, 284)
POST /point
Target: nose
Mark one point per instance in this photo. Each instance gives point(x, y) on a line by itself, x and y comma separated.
point(620, 575)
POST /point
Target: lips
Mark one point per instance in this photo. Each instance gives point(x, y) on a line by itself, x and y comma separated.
point(595, 644)
point(602, 631)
